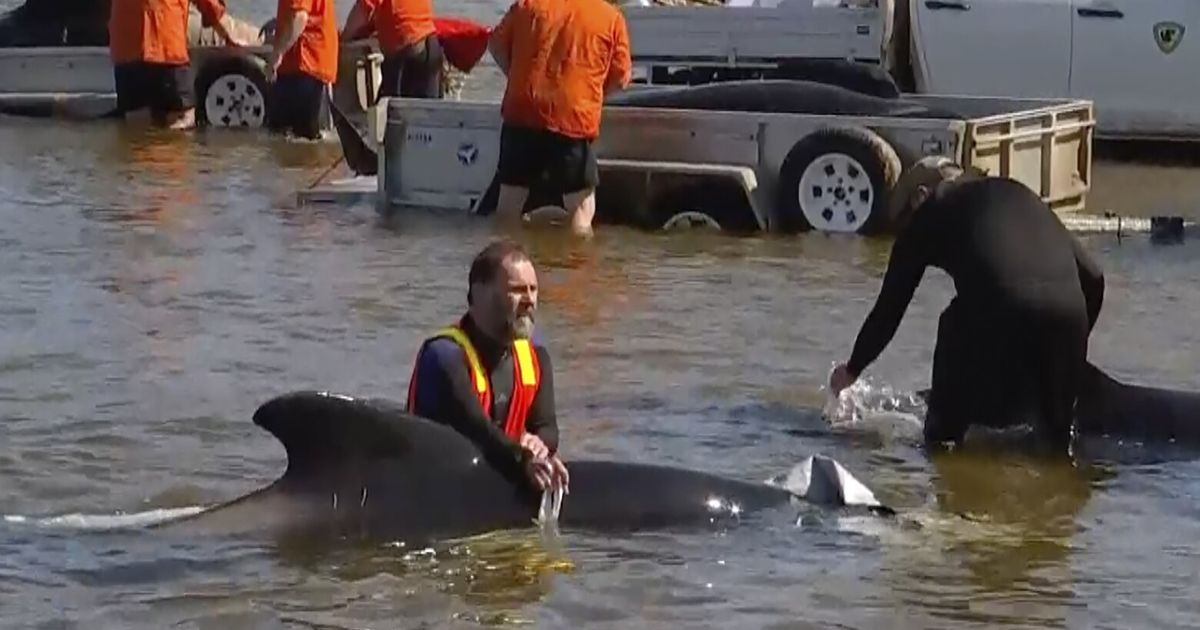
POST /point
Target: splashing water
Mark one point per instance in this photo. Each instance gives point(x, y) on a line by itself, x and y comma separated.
point(865, 399)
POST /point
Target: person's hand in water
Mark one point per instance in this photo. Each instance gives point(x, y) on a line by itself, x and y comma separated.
point(541, 473)
point(561, 479)
point(840, 379)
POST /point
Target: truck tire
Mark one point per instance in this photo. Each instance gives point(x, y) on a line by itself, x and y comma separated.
point(837, 180)
point(232, 91)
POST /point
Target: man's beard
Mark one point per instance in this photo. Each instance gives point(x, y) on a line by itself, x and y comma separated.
point(521, 326)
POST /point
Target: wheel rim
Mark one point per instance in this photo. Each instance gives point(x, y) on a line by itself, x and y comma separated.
point(835, 193)
point(691, 220)
point(233, 100)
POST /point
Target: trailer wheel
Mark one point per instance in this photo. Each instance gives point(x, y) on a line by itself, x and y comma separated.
point(231, 91)
point(713, 204)
point(838, 180)
point(690, 220)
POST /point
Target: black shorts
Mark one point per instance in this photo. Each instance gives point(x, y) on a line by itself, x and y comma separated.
point(414, 71)
point(299, 105)
point(162, 88)
point(528, 155)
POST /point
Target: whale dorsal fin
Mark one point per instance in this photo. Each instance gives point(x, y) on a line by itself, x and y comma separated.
point(322, 430)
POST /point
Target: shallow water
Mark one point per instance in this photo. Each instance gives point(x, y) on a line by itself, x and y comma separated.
point(157, 288)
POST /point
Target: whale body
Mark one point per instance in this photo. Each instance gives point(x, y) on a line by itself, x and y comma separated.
point(365, 469)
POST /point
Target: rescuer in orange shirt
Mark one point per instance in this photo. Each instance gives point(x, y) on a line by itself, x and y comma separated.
point(561, 57)
point(412, 54)
point(149, 48)
point(303, 62)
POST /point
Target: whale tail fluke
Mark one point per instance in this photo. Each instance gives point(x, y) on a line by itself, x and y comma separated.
point(822, 480)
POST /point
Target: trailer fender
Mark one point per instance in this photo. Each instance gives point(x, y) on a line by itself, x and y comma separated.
point(837, 179)
point(232, 91)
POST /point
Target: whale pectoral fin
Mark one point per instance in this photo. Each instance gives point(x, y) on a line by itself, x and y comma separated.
point(824, 481)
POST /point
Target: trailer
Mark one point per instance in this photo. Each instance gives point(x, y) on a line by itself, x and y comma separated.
point(747, 170)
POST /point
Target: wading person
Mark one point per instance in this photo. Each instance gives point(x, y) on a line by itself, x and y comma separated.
point(303, 65)
point(412, 53)
point(148, 44)
point(489, 378)
point(561, 58)
point(1012, 344)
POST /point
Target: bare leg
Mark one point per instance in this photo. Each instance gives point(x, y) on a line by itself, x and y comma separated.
point(582, 208)
point(510, 203)
point(185, 119)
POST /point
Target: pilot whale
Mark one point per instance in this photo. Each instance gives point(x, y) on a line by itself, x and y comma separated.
point(364, 469)
point(1106, 407)
point(1112, 408)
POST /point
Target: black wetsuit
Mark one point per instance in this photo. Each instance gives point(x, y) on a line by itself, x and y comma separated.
point(446, 394)
point(1012, 344)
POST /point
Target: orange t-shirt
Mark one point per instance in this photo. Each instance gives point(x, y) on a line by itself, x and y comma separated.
point(561, 55)
point(155, 31)
point(400, 23)
point(316, 52)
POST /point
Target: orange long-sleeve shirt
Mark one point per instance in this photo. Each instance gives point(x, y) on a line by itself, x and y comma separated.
point(561, 55)
point(316, 52)
point(155, 31)
point(400, 23)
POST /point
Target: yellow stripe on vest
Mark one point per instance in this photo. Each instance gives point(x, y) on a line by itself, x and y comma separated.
point(460, 337)
point(525, 361)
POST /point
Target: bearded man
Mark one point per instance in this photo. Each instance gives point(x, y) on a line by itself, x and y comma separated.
point(489, 378)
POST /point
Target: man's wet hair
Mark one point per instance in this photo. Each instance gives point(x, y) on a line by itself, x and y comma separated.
point(490, 261)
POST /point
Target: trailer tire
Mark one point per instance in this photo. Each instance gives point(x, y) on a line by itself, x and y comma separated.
point(715, 205)
point(837, 180)
point(232, 91)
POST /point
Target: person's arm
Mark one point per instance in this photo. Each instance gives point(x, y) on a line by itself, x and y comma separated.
point(905, 268)
point(212, 15)
point(358, 22)
point(620, 67)
point(289, 26)
point(1091, 280)
point(501, 39)
point(446, 394)
point(542, 420)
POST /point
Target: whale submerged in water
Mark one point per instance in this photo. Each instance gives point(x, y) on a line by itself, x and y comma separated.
point(365, 469)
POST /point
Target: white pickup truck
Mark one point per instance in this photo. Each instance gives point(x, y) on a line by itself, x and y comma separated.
point(1134, 59)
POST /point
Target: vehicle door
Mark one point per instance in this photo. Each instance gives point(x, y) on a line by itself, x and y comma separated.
point(1018, 48)
point(1139, 62)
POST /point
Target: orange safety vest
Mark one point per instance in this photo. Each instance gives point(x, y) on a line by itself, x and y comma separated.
point(526, 378)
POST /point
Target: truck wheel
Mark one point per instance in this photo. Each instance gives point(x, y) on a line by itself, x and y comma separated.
point(231, 91)
point(838, 180)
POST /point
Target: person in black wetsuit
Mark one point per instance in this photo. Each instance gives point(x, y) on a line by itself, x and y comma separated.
point(489, 378)
point(1012, 344)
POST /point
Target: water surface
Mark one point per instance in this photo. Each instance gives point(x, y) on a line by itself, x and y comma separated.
point(157, 288)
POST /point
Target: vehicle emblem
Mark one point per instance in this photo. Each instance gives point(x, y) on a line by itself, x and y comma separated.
point(1168, 35)
point(467, 153)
